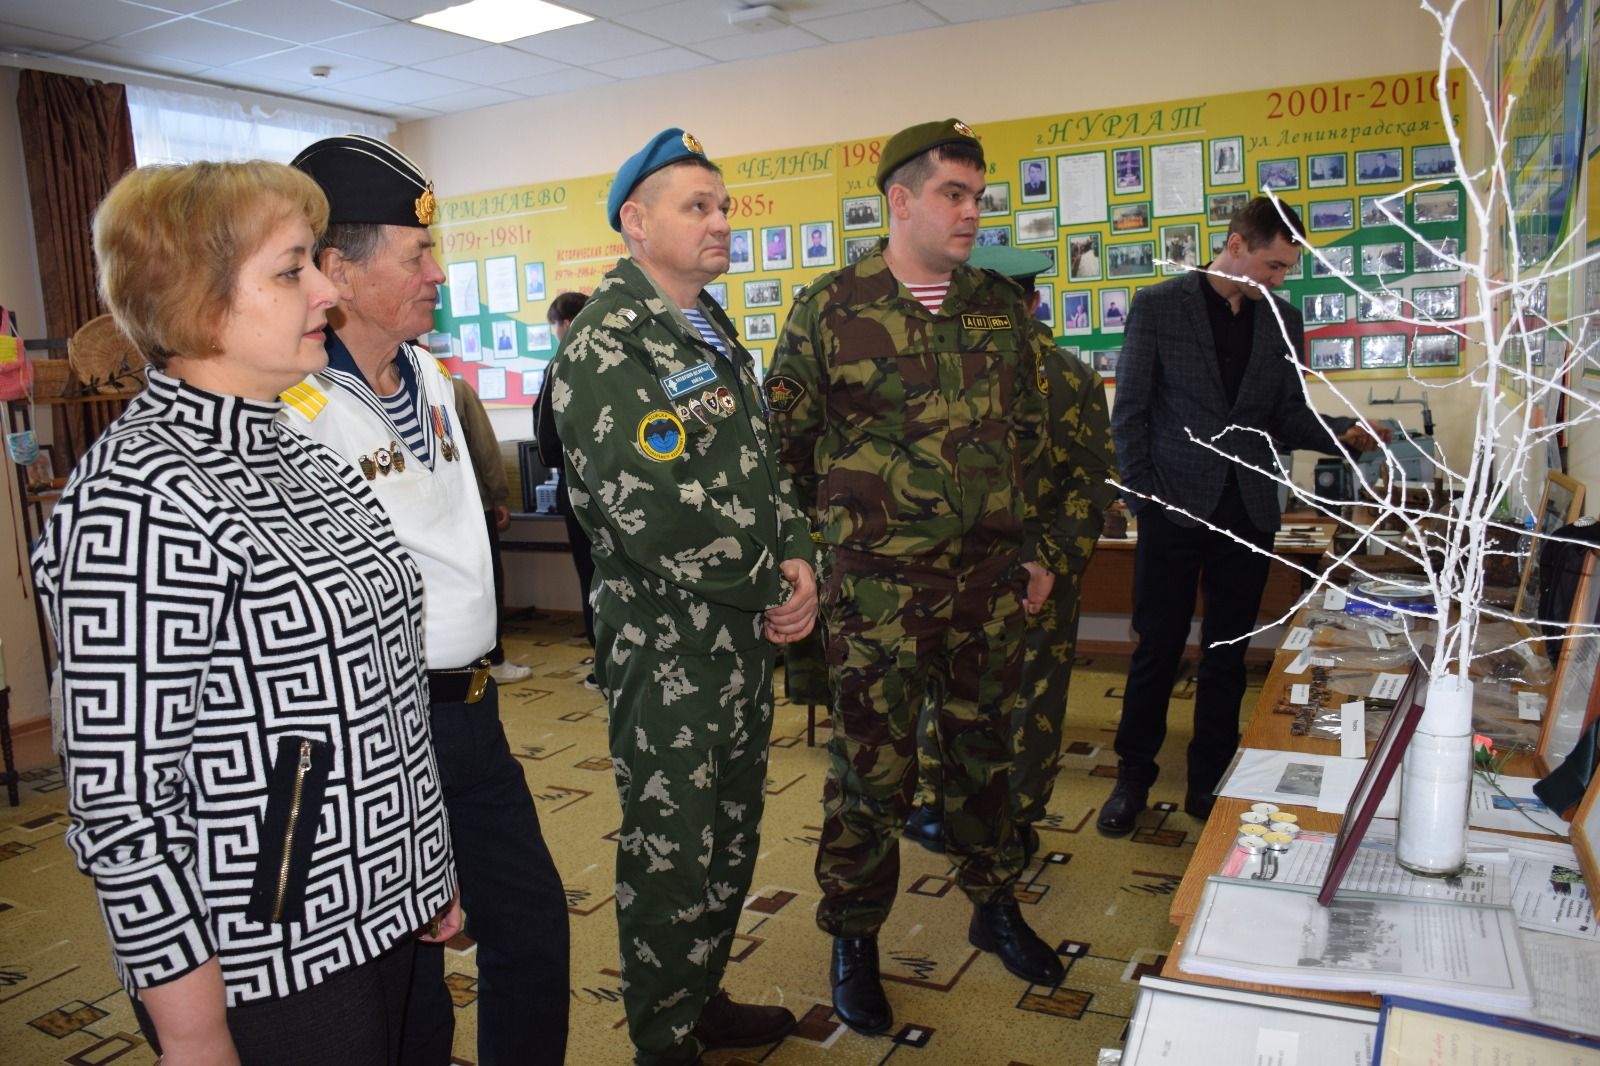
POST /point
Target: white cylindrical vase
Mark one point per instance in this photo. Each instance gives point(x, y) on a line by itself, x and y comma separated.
point(1436, 782)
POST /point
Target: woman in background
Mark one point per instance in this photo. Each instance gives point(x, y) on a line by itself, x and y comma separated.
point(250, 778)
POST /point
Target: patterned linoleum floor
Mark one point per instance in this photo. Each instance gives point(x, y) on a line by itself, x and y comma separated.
point(1103, 902)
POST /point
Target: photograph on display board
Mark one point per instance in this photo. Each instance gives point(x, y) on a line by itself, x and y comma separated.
point(776, 253)
point(1083, 257)
point(1333, 353)
point(764, 292)
point(1216, 240)
point(1180, 247)
point(1105, 362)
point(471, 342)
point(439, 345)
point(995, 199)
point(818, 248)
point(1432, 161)
point(1047, 305)
point(1435, 349)
point(1386, 258)
point(1380, 164)
point(1437, 205)
point(1441, 304)
point(1222, 206)
point(1075, 311)
point(1226, 161)
point(1434, 256)
point(1332, 215)
point(1131, 218)
point(500, 279)
point(538, 338)
point(1052, 255)
point(1382, 351)
point(718, 291)
point(533, 281)
point(1113, 310)
point(994, 236)
point(462, 279)
point(505, 339)
point(1382, 306)
point(1278, 174)
point(1323, 309)
point(863, 212)
point(1337, 261)
point(1035, 181)
point(1387, 210)
point(741, 260)
point(760, 327)
point(1326, 170)
point(856, 247)
point(1036, 227)
point(1134, 259)
point(1127, 171)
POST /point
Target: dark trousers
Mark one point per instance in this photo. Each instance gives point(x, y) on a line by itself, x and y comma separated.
point(581, 558)
point(498, 654)
point(353, 1018)
point(516, 909)
point(1170, 563)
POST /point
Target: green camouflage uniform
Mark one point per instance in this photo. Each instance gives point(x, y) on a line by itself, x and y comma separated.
point(1079, 460)
point(908, 431)
point(672, 476)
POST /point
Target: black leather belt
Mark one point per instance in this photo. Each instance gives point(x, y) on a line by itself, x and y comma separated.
point(464, 684)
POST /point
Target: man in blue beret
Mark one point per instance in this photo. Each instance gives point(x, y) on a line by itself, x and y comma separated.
point(701, 567)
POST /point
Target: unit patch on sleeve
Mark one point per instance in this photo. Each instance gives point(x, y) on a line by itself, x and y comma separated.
point(660, 436)
point(783, 392)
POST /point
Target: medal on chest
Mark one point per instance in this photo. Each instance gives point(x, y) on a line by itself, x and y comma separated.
point(444, 432)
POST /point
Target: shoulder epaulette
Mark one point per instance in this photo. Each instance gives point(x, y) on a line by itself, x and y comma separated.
point(307, 398)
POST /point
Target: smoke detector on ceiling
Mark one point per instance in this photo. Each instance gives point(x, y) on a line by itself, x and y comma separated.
point(758, 18)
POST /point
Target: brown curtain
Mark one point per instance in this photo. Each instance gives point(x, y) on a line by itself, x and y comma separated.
point(77, 140)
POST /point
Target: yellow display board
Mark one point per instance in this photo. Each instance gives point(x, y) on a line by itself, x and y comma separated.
point(1116, 197)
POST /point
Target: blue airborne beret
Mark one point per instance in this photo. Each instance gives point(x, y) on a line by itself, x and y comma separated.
point(664, 149)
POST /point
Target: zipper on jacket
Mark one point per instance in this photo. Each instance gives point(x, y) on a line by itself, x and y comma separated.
point(288, 832)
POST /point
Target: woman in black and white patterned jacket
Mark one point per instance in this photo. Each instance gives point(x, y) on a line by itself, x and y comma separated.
point(252, 785)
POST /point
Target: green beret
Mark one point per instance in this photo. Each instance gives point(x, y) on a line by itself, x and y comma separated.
point(664, 149)
point(367, 181)
point(1016, 263)
point(914, 140)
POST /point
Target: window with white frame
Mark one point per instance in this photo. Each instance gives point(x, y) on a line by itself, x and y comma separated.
point(174, 127)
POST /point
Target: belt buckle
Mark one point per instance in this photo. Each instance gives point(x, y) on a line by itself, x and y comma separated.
point(479, 682)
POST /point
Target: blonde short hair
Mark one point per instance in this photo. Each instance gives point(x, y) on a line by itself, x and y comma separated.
point(170, 241)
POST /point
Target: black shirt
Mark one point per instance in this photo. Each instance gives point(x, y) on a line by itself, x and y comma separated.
point(1231, 334)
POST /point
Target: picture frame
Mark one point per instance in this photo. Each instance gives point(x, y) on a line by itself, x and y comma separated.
point(1560, 504)
point(1077, 313)
point(856, 247)
point(1340, 262)
point(763, 292)
point(1033, 176)
point(439, 345)
point(1127, 171)
point(1325, 171)
point(1384, 259)
point(761, 327)
point(471, 342)
point(1047, 304)
point(993, 237)
point(1585, 833)
point(1105, 363)
point(1113, 310)
point(1131, 259)
point(1438, 303)
point(533, 281)
point(1332, 215)
point(1323, 308)
point(1052, 253)
point(1383, 210)
point(1225, 161)
point(1133, 217)
point(1378, 166)
point(1428, 257)
point(537, 337)
point(718, 291)
point(1333, 353)
point(1432, 161)
point(1083, 257)
point(741, 256)
point(1383, 351)
point(816, 249)
point(1435, 349)
point(1384, 305)
point(1280, 175)
point(1436, 205)
point(995, 200)
point(1037, 226)
point(1571, 702)
point(1180, 248)
point(1222, 206)
point(1382, 763)
point(503, 331)
point(862, 212)
point(777, 248)
point(40, 475)
point(1216, 240)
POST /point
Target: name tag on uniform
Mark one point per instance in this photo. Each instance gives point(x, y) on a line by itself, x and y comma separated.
point(687, 381)
point(986, 321)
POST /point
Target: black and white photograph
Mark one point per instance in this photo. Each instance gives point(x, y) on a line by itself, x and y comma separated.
point(1135, 259)
point(994, 236)
point(1355, 936)
point(1113, 310)
point(863, 212)
point(1127, 171)
point(1432, 161)
point(1036, 227)
point(1131, 218)
point(1325, 170)
point(1442, 304)
point(1180, 247)
point(1436, 205)
point(1105, 362)
point(1226, 161)
point(718, 291)
point(1083, 257)
point(777, 253)
point(856, 247)
point(1387, 210)
point(1431, 256)
point(1047, 305)
point(996, 199)
point(763, 292)
point(1378, 306)
point(1301, 779)
point(1383, 350)
point(1075, 313)
point(741, 260)
point(1335, 262)
point(1323, 309)
point(816, 249)
point(1279, 174)
point(1386, 258)
point(1381, 164)
point(1035, 180)
point(1332, 215)
point(1333, 353)
point(1435, 349)
point(760, 327)
point(1222, 206)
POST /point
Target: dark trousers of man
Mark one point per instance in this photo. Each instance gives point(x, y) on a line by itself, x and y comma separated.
point(1170, 563)
point(515, 907)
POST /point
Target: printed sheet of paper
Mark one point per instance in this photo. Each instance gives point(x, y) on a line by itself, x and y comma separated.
point(1566, 981)
point(500, 278)
point(1083, 188)
point(1176, 1023)
point(1374, 869)
point(1282, 777)
point(1491, 810)
point(1425, 1038)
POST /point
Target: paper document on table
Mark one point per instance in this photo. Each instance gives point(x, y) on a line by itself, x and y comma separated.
point(1278, 934)
point(1513, 806)
point(1551, 897)
point(1283, 777)
point(1178, 1023)
point(1566, 981)
point(1339, 781)
point(1419, 1033)
point(1373, 869)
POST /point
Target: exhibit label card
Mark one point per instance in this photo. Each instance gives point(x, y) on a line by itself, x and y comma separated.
point(1353, 730)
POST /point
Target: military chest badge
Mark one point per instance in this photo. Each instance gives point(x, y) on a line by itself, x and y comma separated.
point(368, 470)
point(397, 456)
point(783, 392)
point(660, 436)
point(1044, 378)
point(725, 400)
point(384, 460)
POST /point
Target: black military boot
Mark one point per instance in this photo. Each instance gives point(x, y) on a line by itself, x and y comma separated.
point(1197, 803)
point(925, 825)
point(858, 997)
point(724, 1023)
point(1127, 799)
point(997, 926)
point(1028, 837)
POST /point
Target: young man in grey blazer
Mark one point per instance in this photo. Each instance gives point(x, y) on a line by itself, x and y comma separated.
point(1205, 357)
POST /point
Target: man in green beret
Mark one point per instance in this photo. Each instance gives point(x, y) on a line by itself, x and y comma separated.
point(701, 567)
point(904, 392)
